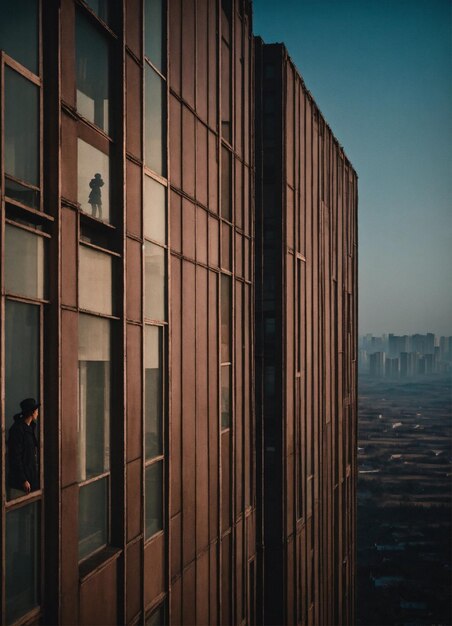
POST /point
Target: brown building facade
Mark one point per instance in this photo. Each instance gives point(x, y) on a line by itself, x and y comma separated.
point(128, 177)
point(306, 368)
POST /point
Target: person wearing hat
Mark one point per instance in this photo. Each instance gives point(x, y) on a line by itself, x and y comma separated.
point(23, 450)
point(95, 195)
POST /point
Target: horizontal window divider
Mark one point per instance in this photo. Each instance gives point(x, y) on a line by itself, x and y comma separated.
point(31, 617)
point(93, 479)
point(301, 257)
point(226, 363)
point(154, 242)
point(134, 322)
point(155, 603)
point(30, 229)
point(20, 298)
point(134, 237)
point(68, 307)
point(95, 562)
point(88, 244)
point(153, 461)
point(156, 324)
point(98, 20)
point(27, 498)
point(20, 69)
point(95, 220)
point(132, 54)
point(159, 533)
point(69, 204)
point(156, 70)
point(92, 126)
point(160, 179)
point(150, 322)
point(97, 314)
point(69, 109)
point(134, 159)
point(24, 183)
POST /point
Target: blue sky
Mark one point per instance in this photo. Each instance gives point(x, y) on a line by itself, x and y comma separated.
point(381, 73)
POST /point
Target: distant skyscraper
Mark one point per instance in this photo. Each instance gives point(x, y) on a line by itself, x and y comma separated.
point(377, 364)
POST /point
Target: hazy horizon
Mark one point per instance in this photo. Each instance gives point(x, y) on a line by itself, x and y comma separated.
point(380, 71)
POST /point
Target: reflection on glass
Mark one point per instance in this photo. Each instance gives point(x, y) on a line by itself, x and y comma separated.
point(100, 8)
point(226, 308)
point(94, 396)
point(155, 153)
point(225, 184)
point(24, 263)
point(226, 396)
point(154, 210)
point(92, 73)
point(153, 391)
point(225, 91)
point(92, 517)
point(153, 30)
point(21, 338)
point(95, 281)
point(19, 32)
point(154, 498)
point(22, 574)
point(21, 128)
point(157, 617)
point(93, 181)
point(154, 282)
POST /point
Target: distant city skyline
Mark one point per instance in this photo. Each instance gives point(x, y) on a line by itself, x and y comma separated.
point(380, 71)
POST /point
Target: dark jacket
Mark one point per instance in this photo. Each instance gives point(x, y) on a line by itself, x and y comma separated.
point(23, 454)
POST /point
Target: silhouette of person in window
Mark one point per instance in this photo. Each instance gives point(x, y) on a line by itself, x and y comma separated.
point(23, 450)
point(95, 196)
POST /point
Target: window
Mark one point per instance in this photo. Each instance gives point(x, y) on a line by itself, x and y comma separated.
point(21, 147)
point(153, 391)
point(157, 617)
point(93, 181)
point(154, 29)
point(226, 351)
point(95, 280)
point(154, 498)
point(25, 258)
point(155, 124)
point(92, 72)
point(93, 432)
point(226, 70)
point(154, 210)
point(226, 184)
point(19, 32)
point(155, 282)
point(100, 8)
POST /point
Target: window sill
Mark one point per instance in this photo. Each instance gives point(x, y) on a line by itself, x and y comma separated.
point(97, 562)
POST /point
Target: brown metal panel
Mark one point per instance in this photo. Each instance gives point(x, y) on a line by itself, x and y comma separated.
point(291, 592)
point(201, 590)
point(176, 533)
point(176, 222)
point(202, 56)
point(201, 235)
point(133, 580)
point(226, 580)
point(239, 578)
point(202, 406)
point(188, 228)
point(68, 158)
point(176, 602)
point(239, 92)
point(240, 468)
point(134, 279)
point(69, 556)
point(188, 52)
point(238, 254)
point(214, 242)
point(226, 247)
point(68, 257)
point(175, 454)
point(175, 44)
point(248, 383)
point(290, 498)
point(133, 198)
point(67, 56)
point(189, 595)
point(69, 396)
point(133, 499)
point(98, 597)
point(213, 403)
point(213, 64)
point(202, 190)
point(133, 106)
point(248, 206)
point(290, 362)
point(225, 480)
point(238, 186)
point(213, 588)
point(175, 141)
point(213, 172)
point(188, 412)
point(188, 150)
point(154, 569)
point(133, 25)
point(134, 391)
point(290, 224)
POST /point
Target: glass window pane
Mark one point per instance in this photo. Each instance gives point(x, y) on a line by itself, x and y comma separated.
point(21, 128)
point(93, 181)
point(100, 8)
point(22, 573)
point(21, 339)
point(225, 91)
point(154, 33)
point(92, 73)
point(19, 32)
point(95, 281)
point(155, 281)
point(226, 396)
point(24, 263)
point(94, 396)
point(157, 617)
point(226, 184)
point(154, 210)
point(153, 391)
point(92, 517)
point(226, 308)
point(154, 498)
point(155, 152)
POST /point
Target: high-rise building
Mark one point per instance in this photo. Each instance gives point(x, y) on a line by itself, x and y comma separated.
point(377, 364)
point(306, 364)
point(127, 174)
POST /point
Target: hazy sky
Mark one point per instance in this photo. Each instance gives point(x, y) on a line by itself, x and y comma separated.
point(381, 73)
